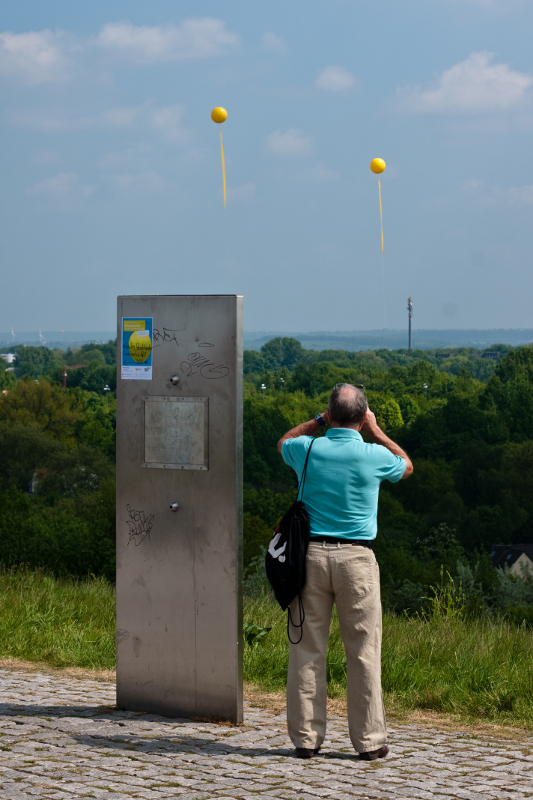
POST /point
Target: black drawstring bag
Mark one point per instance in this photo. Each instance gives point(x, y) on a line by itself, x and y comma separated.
point(286, 554)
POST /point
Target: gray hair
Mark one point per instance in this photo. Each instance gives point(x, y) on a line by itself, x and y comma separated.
point(347, 404)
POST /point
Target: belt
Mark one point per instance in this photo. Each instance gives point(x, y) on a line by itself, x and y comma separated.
point(336, 540)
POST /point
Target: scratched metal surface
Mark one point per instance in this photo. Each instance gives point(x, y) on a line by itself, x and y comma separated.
point(179, 644)
point(176, 432)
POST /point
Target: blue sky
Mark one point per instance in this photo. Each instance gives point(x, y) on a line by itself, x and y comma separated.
point(111, 174)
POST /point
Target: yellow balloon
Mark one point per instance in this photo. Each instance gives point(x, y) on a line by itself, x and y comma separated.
point(377, 165)
point(140, 346)
point(219, 114)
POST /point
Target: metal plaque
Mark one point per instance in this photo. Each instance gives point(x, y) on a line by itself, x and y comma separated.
point(179, 511)
point(176, 432)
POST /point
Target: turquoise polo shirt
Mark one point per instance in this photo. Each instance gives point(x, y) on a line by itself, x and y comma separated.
point(344, 474)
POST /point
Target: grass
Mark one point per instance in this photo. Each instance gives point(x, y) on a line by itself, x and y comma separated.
point(479, 670)
point(58, 622)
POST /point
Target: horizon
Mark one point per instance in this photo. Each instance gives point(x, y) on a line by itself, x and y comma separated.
point(275, 332)
point(112, 179)
point(355, 341)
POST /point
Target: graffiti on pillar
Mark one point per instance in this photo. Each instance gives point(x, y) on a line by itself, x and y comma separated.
point(196, 362)
point(139, 525)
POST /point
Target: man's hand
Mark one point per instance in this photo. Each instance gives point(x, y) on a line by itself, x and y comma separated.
point(369, 423)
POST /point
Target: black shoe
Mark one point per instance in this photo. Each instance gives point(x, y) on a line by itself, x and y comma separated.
point(373, 755)
point(304, 752)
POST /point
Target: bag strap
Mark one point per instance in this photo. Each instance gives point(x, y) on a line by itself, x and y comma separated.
point(304, 472)
point(301, 612)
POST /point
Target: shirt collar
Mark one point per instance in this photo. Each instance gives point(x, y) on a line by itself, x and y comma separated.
point(343, 433)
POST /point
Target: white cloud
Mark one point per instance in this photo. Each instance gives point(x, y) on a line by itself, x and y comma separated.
point(63, 186)
point(45, 158)
point(320, 174)
point(38, 57)
point(335, 79)
point(497, 6)
point(141, 182)
point(499, 196)
point(165, 121)
point(35, 57)
point(128, 158)
point(244, 192)
point(121, 117)
point(39, 120)
point(520, 195)
point(193, 38)
point(57, 121)
point(471, 86)
point(292, 142)
point(273, 43)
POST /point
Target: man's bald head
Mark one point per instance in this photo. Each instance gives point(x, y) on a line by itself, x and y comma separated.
point(347, 405)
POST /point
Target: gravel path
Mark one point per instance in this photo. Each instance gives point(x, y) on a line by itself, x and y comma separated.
point(61, 738)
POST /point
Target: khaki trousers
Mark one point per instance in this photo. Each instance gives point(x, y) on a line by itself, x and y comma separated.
point(347, 575)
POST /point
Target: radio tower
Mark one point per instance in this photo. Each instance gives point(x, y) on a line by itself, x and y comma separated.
point(410, 310)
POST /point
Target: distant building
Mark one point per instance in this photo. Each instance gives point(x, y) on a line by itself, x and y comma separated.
point(512, 556)
point(9, 357)
point(443, 355)
point(494, 354)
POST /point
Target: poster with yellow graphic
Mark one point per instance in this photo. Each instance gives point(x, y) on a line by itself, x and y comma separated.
point(137, 348)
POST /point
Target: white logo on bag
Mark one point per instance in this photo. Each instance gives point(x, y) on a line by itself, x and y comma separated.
point(279, 552)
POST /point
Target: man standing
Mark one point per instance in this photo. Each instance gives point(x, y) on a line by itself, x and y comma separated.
point(344, 474)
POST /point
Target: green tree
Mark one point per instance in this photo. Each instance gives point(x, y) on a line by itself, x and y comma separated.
point(264, 424)
point(253, 362)
point(386, 409)
point(72, 472)
point(51, 408)
point(36, 361)
point(282, 352)
point(409, 408)
point(256, 534)
point(105, 353)
point(108, 350)
point(72, 536)
point(93, 354)
point(25, 448)
point(7, 379)
point(93, 377)
point(98, 426)
point(267, 505)
point(427, 485)
point(510, 393)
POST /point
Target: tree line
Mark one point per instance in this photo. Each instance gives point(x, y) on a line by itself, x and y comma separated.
point(471, 442)
point(468, 429)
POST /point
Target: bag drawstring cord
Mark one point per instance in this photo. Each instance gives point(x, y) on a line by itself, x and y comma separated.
point(290, 622)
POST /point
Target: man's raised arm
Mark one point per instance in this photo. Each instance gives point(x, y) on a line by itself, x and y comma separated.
point(371, 427)
point(305, 429)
